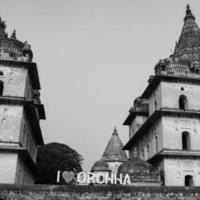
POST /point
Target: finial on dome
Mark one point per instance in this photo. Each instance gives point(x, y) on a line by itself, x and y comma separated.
point(115, 131)
point(13, 36)
point(189, 14)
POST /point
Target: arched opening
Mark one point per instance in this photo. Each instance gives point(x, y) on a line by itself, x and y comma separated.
point(189, 180)
point(156, 143)
point(185, 140)
point(162, 177)
point(1, 73)
point(142, 153)
point(1, 88)
point(182, 102)
point(155, 104)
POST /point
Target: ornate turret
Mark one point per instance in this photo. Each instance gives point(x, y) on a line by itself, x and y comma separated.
point(11, 48)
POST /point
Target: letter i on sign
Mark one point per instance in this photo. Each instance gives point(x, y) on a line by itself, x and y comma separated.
point(58, 176)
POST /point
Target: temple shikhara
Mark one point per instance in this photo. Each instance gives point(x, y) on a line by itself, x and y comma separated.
point(112, 157)
point(20, 110)
point(164, 122)
point(114, 161)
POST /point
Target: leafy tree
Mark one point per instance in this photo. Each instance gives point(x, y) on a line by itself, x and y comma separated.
point(53, 157)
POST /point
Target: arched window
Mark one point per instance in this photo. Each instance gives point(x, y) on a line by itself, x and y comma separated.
point(142, 153)
point(1, 88)
point(185, 140)
point(156, 143)
point(162, 177)
point(1, 73)
point(189, 180)
point(155, 104)
point(182, 102)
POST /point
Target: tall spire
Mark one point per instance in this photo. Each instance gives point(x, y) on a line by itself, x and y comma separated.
point(188, 46)
point(113, 151)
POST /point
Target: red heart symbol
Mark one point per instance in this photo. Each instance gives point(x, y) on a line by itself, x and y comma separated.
point(68, 176)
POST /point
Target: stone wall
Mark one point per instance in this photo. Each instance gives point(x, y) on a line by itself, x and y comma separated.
point(53, 192)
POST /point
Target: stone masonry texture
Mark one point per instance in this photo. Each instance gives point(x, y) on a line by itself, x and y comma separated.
point(63, 192)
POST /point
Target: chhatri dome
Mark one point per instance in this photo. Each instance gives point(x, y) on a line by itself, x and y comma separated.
point(100, 165)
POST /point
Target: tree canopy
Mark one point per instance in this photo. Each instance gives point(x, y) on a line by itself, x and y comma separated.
point(53, 157)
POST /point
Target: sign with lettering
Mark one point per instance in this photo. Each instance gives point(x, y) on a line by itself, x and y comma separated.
point(93, 178)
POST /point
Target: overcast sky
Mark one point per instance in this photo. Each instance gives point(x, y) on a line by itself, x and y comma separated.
point(94, 58)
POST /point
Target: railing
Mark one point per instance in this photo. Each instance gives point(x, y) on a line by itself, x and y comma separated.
point(176, 69)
